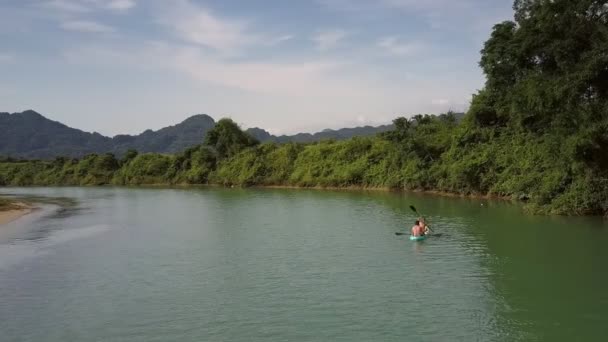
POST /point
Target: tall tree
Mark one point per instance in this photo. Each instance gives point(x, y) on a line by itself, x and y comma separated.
point(548, 69)
point(227, 139)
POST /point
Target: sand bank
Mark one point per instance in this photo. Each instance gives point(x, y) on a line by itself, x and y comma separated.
point(13, 212)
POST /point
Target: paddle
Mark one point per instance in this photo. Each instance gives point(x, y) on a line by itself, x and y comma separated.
point(435, 235)
point(417, 213)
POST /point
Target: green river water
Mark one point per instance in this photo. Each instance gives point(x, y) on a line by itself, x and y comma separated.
point(135, 264)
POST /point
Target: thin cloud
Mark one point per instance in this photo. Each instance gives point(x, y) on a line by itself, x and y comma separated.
point(279, 39)
point(83, 6)
point(198, 25)
point(328, 39)
point(440, 101)
point(289, 78)
point(392, 45)
point(311, 89)
point(121, 5)
point(347, 5)
point(86, 26)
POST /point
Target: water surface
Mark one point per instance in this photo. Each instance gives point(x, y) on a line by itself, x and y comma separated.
point(121, 264)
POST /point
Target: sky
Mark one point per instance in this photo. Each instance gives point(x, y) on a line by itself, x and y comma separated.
point(288, 66)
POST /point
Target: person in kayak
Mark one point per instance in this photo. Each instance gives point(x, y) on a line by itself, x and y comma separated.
point(425, 227)
point(417, 229)
point(420, 228)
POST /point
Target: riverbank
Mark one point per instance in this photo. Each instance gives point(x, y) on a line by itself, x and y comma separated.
point(11, 210)
point(385, 189)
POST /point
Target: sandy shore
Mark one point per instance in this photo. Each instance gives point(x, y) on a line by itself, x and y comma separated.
point(16, 211)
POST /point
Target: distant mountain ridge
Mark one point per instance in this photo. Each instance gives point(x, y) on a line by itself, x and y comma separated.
point(31, 135)
point(339, 134)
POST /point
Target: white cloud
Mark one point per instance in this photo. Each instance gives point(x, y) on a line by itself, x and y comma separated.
point(310, 78)
point(325, 85)
point(199, 25)
point(345, 5)
point(121, 5)
point(295, 95)
point(440, 102)
point(279, 39)
point(363, 120)
point(82, 6)
point(86, 26)
point(195, 24)
point(393, 46)
point(328, 39)
point(286, 78)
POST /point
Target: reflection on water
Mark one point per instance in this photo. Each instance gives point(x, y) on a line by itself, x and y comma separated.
point(257, 265)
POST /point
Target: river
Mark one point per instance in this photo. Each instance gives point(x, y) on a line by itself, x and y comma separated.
point(205, 264)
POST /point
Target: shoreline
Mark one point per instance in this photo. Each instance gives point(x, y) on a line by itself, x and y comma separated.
point(382, 189)
point(318, 187)
point(14, 212)
point(295, 187)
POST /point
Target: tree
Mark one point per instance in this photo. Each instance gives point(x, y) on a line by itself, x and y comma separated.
point(129, 155)
point(227, 139)
point(548, 69)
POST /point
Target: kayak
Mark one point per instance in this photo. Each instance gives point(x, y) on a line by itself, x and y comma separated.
point(417, 238)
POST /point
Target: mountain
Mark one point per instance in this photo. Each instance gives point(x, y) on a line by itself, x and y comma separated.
point(170, 139)
point(31, 135)
point(340, 134)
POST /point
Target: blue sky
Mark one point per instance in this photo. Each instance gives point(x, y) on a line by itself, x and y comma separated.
point(122, 66)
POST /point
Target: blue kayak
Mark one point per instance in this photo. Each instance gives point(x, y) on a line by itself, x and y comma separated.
point(417, 238)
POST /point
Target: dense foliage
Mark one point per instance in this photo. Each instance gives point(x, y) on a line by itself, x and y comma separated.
point(537, 132)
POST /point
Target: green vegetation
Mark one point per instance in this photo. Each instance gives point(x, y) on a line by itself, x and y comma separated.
point(537, 132)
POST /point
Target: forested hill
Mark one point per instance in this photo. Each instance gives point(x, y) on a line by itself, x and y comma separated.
point(339, 134)
point(327, 134)
point(31, 135)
